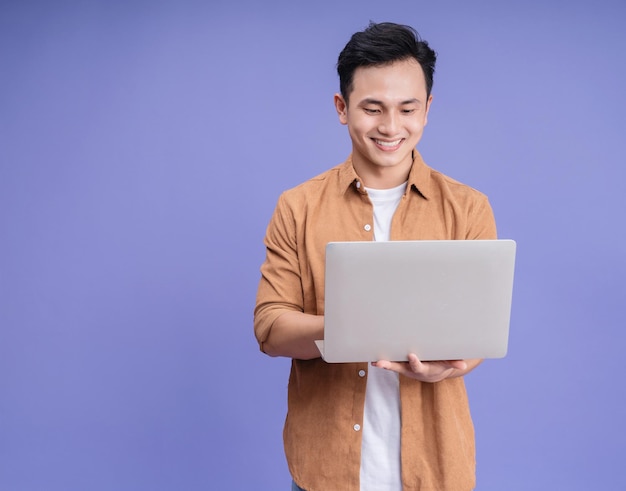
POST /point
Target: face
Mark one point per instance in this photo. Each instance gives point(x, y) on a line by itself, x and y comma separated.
point(385, 113)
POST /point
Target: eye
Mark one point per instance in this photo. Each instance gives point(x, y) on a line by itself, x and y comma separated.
point(371, 110)
point(408, 111)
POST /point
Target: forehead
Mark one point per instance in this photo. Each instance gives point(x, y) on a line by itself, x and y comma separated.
point(398, 80)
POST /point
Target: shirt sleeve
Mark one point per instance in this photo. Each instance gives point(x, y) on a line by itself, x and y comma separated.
point(280, 286)
point(481, 222)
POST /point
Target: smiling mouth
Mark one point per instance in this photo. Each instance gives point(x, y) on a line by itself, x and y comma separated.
point(388, 144)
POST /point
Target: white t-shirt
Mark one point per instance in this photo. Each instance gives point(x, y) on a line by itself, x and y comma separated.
point(380, 448)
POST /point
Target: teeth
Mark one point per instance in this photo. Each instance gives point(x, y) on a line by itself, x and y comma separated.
point(388, 144)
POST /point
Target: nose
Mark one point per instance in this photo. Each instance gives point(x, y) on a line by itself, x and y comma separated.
point(389, 123)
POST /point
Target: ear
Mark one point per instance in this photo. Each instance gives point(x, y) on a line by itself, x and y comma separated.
point(428, 102)
point(342, 108)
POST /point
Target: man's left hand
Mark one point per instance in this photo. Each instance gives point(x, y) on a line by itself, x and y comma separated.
point(429, 371)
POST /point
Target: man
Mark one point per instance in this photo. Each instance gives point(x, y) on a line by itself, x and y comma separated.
point(387, 426)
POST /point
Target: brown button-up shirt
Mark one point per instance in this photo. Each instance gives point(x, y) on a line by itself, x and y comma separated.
point(322, 434)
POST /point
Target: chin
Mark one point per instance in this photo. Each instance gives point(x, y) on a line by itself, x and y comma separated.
point(393, 162)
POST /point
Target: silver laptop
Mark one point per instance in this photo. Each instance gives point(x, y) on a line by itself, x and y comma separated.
point(440, 299)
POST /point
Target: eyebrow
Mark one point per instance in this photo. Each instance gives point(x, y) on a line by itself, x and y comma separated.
point(370, 100)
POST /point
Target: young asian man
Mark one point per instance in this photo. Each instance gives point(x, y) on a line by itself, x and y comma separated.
point(389, 425)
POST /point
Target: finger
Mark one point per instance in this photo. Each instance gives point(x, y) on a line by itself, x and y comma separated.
point(412, 366)
point(387, 365)
point(458, 364)
point(415, 364)
point(392, 366)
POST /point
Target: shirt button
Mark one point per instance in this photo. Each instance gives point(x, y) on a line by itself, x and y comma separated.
point(357, 427)
point(367, 227)
point(361, 373)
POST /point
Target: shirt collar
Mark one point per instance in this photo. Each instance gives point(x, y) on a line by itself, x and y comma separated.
point(419, 176)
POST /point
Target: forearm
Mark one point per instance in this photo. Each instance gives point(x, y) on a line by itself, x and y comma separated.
point(293, 334)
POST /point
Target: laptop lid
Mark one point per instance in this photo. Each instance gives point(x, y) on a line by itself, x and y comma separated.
point(441, 299)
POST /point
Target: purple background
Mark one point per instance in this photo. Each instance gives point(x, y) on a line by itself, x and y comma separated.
point(143, 146)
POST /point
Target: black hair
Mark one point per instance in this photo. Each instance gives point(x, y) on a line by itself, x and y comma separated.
point(383, 44)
